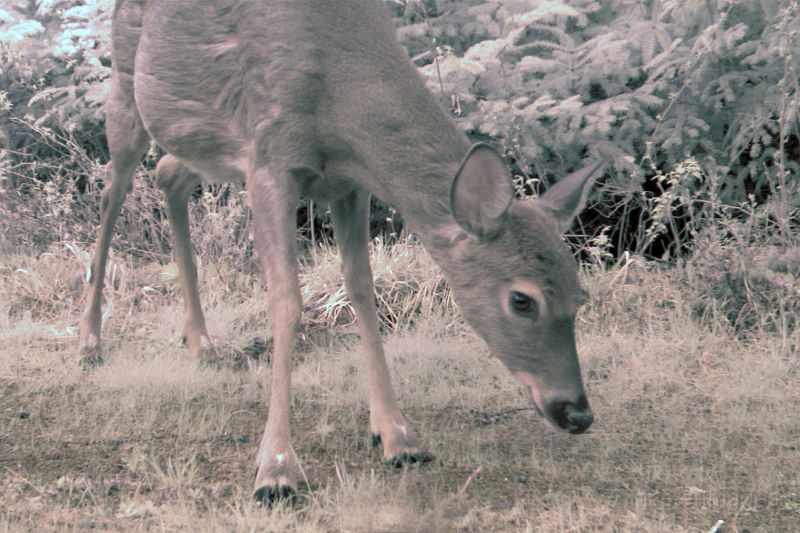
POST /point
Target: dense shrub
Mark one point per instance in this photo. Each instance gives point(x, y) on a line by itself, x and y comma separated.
point(749, 282)
point(642, 85)
point(694, 104)
point(54, 72)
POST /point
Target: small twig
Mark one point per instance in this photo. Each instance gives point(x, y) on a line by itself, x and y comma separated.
point(420, 8)
point(458, 494)
point(25, 480)
point(514, 410)
point(494, 416)
point(469, 480)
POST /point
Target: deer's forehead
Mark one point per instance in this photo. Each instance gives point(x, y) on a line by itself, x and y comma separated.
point(529, 248)
point(541, 254)
point(533, 236)
point(554, 270)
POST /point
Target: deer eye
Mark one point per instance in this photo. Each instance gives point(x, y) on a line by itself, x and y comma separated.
point(522, 303)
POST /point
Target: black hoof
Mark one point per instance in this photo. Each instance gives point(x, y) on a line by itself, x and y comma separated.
point(90, 360)
point(406, 459)
point(268, 496)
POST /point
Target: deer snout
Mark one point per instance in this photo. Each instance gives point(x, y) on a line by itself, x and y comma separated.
point(572, 417)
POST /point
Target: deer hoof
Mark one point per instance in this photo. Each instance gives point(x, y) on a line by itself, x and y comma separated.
point(89, 356)
point(267, 496)
point(405, 458)
point(275, 480)
point(408, 459)
point(202, 350)
point(89, 362)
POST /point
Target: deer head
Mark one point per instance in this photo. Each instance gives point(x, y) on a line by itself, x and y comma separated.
point(516, 281)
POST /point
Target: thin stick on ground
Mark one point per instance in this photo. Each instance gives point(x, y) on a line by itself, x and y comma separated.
point(466, 484)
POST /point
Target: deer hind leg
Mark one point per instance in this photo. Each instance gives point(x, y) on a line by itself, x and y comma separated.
point(274, 206)
point(127, 141)
point(177, 182)
point(351, 225)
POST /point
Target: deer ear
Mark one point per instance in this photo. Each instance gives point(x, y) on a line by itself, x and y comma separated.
point(481, 191)
point(568, 196)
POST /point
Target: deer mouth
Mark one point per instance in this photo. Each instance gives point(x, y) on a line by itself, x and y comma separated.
point(561, 412)
point(543, 414)
point(528, 383)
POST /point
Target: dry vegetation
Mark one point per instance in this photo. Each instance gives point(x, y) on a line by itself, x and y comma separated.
point(696, 421)
point(693, 371)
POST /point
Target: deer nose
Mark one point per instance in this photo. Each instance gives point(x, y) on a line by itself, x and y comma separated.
point(572, 417)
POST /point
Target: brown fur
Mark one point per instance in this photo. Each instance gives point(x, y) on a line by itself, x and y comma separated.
point(308, 98)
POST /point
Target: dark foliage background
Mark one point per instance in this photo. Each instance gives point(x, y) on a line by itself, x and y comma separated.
point(693, 104)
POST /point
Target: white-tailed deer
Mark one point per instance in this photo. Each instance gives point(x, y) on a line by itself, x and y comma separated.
point(318, 99)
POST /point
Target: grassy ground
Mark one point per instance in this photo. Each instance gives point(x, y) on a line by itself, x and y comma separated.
point(693, 424)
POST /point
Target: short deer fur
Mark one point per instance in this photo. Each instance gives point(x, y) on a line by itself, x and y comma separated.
point(318, 99)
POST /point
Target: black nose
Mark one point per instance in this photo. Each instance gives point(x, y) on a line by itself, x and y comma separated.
point(572, 417)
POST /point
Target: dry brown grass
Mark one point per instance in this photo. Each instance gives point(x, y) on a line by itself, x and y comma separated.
point(694, 424)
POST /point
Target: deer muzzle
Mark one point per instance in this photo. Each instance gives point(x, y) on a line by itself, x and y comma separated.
point(563, 409)
point(573, 417)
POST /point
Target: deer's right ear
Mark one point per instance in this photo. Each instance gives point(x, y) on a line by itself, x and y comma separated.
point(568, 196)
point(481, 191)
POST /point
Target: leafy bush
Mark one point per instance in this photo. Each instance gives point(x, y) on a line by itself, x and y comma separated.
point(642, 85)
point(748, 281)
point(694, 104)
point(55, 67)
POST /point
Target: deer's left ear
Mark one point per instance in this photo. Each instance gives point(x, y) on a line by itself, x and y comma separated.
point(481, 191)
point(568, 196)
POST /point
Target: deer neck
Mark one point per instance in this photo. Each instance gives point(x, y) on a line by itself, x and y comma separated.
point(402, 146)
point(380, 127)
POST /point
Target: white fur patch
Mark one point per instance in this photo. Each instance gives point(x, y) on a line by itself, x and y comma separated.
point(402, 428)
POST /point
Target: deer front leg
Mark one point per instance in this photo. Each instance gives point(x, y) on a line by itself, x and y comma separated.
point(273, 201)
point(127, 142)
point(351, 226)
point(177, 182)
